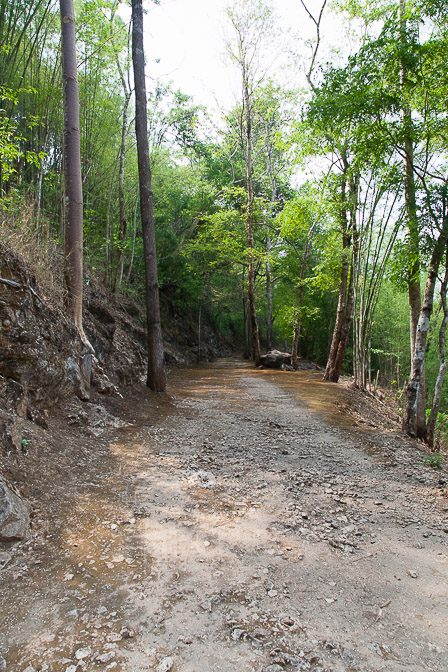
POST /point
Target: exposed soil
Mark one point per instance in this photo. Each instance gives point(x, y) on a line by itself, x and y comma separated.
point(253, 520)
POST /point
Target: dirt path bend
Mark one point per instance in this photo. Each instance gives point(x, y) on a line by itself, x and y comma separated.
point(244, 524)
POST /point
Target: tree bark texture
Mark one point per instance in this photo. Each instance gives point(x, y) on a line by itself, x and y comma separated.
point(73, 202)
point(432, 420)
point(134, 235)
point(414, 387)
point(156, 378)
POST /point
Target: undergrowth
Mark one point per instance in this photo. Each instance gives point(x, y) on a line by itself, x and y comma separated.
point(41, 254)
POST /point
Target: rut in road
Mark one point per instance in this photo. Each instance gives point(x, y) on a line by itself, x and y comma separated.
point(241, 524)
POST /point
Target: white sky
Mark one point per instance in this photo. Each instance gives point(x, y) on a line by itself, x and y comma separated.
point(188, 38)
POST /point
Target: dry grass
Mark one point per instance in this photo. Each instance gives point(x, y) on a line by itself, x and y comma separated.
point(42, 255)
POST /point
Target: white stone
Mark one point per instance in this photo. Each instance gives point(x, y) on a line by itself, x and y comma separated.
point(106, 657)
point(165, 665)
point(82, 653)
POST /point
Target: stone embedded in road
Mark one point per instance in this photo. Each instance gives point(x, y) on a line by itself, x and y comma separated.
point(127, 633)
point(106, 657)
point(114, 637)
point(82, 653)
point(14, 515)
point(165, 665)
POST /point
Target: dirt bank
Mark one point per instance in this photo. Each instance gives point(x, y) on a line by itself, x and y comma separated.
point(253, 520)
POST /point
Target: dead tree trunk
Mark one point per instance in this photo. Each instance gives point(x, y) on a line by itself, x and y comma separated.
point(156, 378)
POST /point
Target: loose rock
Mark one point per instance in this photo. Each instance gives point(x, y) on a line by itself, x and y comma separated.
point(81, 654)
point(165, 665)
point(14, 515)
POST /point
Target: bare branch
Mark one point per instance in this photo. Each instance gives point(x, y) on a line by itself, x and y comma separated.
point(317, 23)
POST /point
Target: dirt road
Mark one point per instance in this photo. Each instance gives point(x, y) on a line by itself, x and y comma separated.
point(246, 523)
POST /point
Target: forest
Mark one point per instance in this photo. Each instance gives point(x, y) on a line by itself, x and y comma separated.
point(309, 218)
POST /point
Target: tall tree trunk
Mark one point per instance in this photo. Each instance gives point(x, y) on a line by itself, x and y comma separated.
point(250, 222)
point(73, 210)
point(345, 331)
point(432, 420)
point(246, 351)
point(295, 339)
point(198, 358)
point(346, 286)
point(415, 384)
point(354, 234)
point(298, 316)
point(414, 291)
point(122, 231)
point(156, 379)
point(269, 321)
point(108, 272)
point(337, 330)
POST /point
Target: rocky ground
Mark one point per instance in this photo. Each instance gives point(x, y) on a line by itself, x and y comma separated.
point(252, 520)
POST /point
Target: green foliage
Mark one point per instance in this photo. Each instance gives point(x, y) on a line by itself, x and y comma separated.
point(435, 461)
point(12, 143)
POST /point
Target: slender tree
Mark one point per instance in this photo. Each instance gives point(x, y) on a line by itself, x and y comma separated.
point(416, 380)
point(73, 203)
point(156, 378)
point(432, 420)
point(346, 297)
point(414, 292)
point(252, 23)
